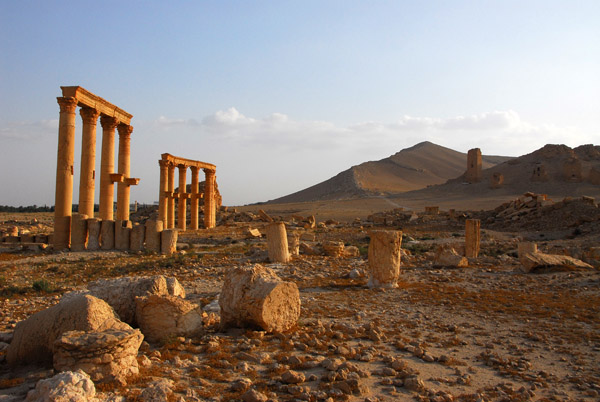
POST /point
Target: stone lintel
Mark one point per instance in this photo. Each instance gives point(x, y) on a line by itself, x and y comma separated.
point(86, 98)
point(117, 177)
point(175, 160)
point(131, 181)
point(184, 195)
point(197, 196)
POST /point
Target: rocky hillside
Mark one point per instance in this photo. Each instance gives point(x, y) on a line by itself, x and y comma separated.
point(422, 165)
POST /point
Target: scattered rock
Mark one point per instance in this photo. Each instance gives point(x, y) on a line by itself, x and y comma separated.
point(64, 387)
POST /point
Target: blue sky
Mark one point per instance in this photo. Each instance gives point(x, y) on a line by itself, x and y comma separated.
point(282, 95)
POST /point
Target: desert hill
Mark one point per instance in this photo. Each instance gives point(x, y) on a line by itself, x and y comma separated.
point(413, 168)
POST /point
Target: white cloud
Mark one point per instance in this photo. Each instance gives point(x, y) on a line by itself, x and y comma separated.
point(23, 130)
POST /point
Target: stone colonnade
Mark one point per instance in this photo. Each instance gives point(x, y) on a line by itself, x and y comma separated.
point(111, 118)
point(167, 194)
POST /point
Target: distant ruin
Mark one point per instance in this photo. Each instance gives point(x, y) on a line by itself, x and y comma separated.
point(496, 180)
point(572, 170)
point(167, 194)
point(473, 174)
point(539, 173)
point(111, 117)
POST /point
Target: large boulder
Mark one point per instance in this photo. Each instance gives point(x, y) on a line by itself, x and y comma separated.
point(539, 261)
point(161, 317)
point(446, 256)
point(34, 337)
point(67, 386)
point(107, 356)
point(257, 297)
point(120, 293)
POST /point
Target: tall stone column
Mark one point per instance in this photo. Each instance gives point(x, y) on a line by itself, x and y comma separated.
point(171, 201)
point(124, 157)
point(63, 197)
point(182, 213)
point(163, 186)
point(107, 167)
point(209, 199)
point(472, 237)
point(194, 199)
point(87, 176)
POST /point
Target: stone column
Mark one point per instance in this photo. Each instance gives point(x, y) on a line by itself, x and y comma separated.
point(182, 212)
point(525, 248)
point(168, 241)
point(385, 253)
point(162, 190)
point(87, 178)
point(194, 199)
point(107, 167)
point(209, 199)
point(124, 157)
point(63, 197)
point(171, 201)
point(277, 243)
point(79, 232)
point(472, 238)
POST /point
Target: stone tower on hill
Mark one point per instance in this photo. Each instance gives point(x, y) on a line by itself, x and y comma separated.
point(473, 174)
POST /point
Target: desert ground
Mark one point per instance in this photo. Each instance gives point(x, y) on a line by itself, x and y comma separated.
point(486, 332)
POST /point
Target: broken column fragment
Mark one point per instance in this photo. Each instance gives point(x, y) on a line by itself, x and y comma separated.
point(384, 258)
point(472, 237)
point(277, 242)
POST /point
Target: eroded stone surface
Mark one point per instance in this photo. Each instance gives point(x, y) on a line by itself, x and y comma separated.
point(162, 317)
point(67, 386)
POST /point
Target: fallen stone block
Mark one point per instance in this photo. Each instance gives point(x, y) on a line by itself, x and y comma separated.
point(162, 317)
point(446, 256)
point(539, 261)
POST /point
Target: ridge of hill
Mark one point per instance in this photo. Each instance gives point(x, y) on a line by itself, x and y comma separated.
point(417, 167)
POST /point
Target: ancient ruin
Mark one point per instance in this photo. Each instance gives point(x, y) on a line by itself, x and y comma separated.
point(167, 194)
point(496, 180)
point(473, 174)
point(111, 117)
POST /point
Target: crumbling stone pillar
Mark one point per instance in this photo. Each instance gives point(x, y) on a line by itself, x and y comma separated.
point(472, 238)
point(295, 244)
point(153, 231)
point(168, 241)
point(385, 252)
point(64, 173)
point(171, 200)
point(79, 232)
point(473, 174)
point(107, 167)
point(122, 234)
point(496, 180)
point(163, 199)
point(93, 226)
point(107, 234)
point(277, 244)
point(525, 248)
point(209, 200)
point(194, 199)
point(136, 242)
point(181, 210)
point(123, 187)
point(87, 174)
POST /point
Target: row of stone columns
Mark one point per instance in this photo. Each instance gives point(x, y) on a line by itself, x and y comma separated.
point(167, 195)
point(66, 156)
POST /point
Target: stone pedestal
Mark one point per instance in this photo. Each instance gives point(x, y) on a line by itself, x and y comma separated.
point(122, 234)
point(93, 226)
point(277, 242)
point(472, 238)
point(153, 231)
point(136, 242)
point(384, 258)
point(107, 234)
point(168, 241)
point(79, 232)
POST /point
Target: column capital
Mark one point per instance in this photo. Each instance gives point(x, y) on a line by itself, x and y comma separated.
point(163, 163)
point(124, 129)
point(108, 123)
point(67, 104)
point(89, 115)
point(209, 172)
point(181, 166)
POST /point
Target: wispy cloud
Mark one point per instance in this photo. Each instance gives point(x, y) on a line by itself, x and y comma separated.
point(26, 131)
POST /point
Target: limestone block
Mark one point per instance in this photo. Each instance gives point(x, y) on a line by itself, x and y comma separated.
point(294, 245)
point(12, 231)
point(93, 225)
point(136, 242)
point(107, 235)
point(384, 258)
point(351, 251)
point(65, 386)
point(257, 297)
point(41, 238)
point(29, 238)
point(34, 337)
point(106, 356)
point(122, 234)
point(535, 261)
point(168, 241)
point(264, 216)
point(153, 230)
point(525, 248)
point(472, 237)
point(120, 293)
point(79, 232)
point(333, 248)
point(277, 242)
point(253, 233)
point(162, 317)
point(174, 288)
point(446, 256)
